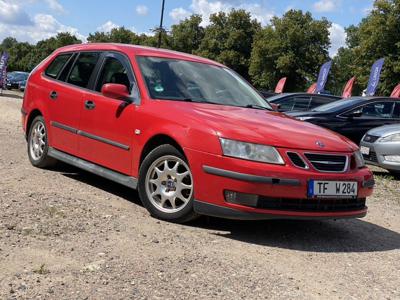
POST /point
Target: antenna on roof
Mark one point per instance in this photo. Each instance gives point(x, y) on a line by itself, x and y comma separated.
point(160, 29)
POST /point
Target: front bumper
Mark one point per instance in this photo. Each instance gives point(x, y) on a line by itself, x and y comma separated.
point(377, 154)
point(215, 174)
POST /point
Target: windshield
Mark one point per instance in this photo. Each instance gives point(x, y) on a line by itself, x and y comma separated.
point(173, 79)
point(337, 105)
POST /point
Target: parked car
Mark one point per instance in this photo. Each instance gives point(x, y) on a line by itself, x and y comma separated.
point(190, 134)
point(381, 147)
point(266, 94)
point(353, 117)
point(22, 85)
point(13, 80)
point(300, 101)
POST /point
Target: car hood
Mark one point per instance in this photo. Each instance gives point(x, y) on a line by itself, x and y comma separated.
point(385, 130)
point(263, 127)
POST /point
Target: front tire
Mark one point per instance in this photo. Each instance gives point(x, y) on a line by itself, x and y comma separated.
point(166, 185)
point(38, 145)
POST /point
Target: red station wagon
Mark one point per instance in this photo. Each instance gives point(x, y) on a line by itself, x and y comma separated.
point(190, 134)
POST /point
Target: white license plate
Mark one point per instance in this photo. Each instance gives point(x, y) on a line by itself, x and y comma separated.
point(319, 188)
point(364, 150)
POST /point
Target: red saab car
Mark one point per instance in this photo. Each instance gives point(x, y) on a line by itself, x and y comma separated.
point(190, 134)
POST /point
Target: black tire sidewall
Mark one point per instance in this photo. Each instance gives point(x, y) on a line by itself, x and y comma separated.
point(184, 215)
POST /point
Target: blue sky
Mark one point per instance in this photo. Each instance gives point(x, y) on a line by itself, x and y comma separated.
point(32, 20)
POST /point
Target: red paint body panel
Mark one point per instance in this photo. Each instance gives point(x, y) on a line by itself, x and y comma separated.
point(196, 127)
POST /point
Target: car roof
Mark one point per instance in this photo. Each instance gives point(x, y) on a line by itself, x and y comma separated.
point(283, 95)
point(138, 50)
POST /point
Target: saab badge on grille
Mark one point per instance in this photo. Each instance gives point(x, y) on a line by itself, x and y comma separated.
point(320, 144)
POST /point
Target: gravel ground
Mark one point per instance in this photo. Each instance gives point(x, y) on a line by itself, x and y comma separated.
point(67, 234)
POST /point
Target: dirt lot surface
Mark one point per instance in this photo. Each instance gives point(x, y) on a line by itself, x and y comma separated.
point(67, 234)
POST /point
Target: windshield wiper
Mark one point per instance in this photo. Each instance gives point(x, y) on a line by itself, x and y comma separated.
point(256, 106)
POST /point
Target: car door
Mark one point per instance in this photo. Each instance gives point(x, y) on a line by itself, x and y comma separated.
point(65, 99)
point(107, 124)
point(371, 115)
point(63, 104)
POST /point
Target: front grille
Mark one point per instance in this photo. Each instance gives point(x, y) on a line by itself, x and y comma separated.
point(370, 138)
point(310, 205)
point(297, 160)
point(327, 162)
point(371, 157)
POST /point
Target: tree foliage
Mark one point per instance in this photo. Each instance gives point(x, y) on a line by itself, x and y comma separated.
point(228, 39)
point(293, 46)
point(377, 36)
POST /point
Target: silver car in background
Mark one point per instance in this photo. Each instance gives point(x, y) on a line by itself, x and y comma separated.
point(381, 147)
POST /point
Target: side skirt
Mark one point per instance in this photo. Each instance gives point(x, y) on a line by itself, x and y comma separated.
point(125, 180)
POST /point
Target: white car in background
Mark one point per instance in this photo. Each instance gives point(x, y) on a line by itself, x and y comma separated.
point(381, 147)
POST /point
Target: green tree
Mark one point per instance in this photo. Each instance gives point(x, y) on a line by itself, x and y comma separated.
point(377, 36)
point(228, 39)
point(187, 35)
point(293, 46)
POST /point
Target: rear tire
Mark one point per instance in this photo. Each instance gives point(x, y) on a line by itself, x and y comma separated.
point(38, 145)
point(166, 185)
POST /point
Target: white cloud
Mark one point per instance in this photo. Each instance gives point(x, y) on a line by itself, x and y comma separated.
point(337, 35)
point(207, 7)
point(179, 14)
point(107, 26)
point(43, 26)
point(326, 5)
point(55, 6)
point(13, 14)
point(142, 10)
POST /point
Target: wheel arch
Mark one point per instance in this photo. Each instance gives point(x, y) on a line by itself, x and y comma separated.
point(32, 115)
point(158, 140)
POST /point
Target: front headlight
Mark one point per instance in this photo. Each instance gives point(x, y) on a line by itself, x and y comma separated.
point(249, 151)
point(360, 163)
point(390, 138)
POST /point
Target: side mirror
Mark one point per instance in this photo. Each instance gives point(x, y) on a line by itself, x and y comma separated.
point(116, 91)
point(275, 106)
point(354, 114)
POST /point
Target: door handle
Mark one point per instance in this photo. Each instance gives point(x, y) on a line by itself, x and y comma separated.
point(89, 104)
point(53, 95)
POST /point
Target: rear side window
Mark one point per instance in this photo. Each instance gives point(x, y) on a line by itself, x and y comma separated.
point(301, 103)
point(317, 101)
point(65, 71)
point(83, 69)
point(56, 65)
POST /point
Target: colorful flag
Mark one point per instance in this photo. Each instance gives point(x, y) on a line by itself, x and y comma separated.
point(348, 88)
point(3, 69)
point(396, 92)
point(374, 77)
point(311, 89)
point(280, 86)
point(323, 76)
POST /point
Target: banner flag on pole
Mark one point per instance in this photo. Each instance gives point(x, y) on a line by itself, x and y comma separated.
point(3, 69)
point(311, 89)
point(374, 77)
point(348, 88)
point(396, 92)
point(323, 76)
point(280, 85)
